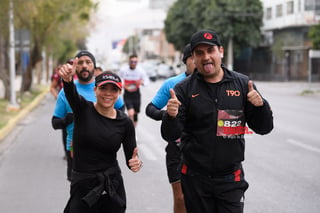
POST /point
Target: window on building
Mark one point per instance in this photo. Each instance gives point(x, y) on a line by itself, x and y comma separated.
point(312, 5)
point(269, 13)
point(308, 5)
point(317, 5)
point(279, 10)
point(290, 8)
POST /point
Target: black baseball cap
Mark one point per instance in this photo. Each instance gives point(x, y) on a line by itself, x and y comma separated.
point(186, 53)
point(204, 37)
point(86, 53)
point(108, 77)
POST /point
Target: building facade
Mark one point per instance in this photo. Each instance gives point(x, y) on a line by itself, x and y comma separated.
point(286, 24)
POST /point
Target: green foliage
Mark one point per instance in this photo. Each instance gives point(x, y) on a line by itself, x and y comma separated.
point(240, 20)
point(314, 35)
point(127, 48)
point(55, 23)
point(179, 24)
point(4, 17)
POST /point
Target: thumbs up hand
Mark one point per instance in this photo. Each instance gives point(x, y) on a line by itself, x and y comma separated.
point(67, 71)
point(173, 104)
point(135, 163)
point(253, 96)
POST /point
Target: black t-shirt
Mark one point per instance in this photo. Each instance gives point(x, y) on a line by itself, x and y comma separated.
point(96, 139)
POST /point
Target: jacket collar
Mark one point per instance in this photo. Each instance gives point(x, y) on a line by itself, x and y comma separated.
point(228, 76)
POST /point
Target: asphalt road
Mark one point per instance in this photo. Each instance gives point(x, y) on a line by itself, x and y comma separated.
point(282, 168)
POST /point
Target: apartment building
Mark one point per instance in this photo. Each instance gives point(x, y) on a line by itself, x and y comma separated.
point(286, 24)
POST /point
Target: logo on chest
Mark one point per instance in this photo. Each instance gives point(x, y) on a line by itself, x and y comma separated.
point(233, 93)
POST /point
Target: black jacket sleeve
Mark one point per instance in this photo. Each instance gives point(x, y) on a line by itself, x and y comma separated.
point(260, 119)
point(75, 100)
point(171, 128)
point(154, 113)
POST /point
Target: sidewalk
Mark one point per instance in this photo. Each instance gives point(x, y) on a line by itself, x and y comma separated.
point(290, 88)
point(23, 112)
point(17, 85)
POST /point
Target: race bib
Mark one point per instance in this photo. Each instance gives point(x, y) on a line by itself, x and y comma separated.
point(231, 123)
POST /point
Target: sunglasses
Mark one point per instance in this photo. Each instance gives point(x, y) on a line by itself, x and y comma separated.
point(133, 62)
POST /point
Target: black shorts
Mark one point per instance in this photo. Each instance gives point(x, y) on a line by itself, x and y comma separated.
point(132, 100)
point(173, 162)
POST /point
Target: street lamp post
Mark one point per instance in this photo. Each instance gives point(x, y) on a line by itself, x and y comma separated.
point(13, 100)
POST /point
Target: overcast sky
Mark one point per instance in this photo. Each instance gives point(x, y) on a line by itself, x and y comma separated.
point(117, 19)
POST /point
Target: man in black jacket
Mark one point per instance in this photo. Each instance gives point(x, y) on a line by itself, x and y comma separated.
point(210, 110)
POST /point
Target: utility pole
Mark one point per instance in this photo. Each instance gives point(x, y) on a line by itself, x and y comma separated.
point(13, 100)
point(230, 54)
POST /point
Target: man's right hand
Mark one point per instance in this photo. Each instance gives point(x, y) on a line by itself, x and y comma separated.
point(173, 104)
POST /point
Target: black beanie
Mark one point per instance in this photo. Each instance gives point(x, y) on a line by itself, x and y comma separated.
point(86, 53)
point(186, 53)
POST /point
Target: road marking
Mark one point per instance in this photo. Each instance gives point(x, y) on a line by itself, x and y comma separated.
point(304, 146)
point(147, 152)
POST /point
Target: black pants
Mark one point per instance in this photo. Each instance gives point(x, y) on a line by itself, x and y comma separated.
point(213, 195)
point(69, 165)
point(67, 154)
point(64, 140)
point(173, 162)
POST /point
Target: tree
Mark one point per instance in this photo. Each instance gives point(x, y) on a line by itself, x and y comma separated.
point(4, 44)
point(236, 22)
point(131, 45)
point(50, 22)
point(314, 35)
point(179, 24)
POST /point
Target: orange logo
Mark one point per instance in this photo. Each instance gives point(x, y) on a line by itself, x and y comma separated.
point(233, 92)
point(195, 95)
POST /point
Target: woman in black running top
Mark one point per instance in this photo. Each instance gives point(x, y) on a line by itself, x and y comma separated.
point(99, 132)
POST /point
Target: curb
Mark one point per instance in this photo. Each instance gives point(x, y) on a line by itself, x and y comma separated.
point(22, 114)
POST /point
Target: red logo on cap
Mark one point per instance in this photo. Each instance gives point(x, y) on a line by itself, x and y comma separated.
point(208, 36)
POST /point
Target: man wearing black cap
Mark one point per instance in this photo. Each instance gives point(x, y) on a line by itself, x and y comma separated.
point(62, 115)
point(154, 111)
point(210, 110)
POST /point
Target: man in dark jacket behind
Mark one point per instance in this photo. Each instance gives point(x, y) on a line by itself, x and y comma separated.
point(210, 110)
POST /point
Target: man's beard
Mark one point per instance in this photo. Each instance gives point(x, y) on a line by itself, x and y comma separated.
point(85, 79)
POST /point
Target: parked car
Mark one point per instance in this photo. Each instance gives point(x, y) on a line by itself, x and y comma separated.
point(165, 71)
point(150, 67)
point(179, 68)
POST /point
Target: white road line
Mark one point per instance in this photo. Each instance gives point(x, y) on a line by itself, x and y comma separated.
point(304, 146)
point(147, 152)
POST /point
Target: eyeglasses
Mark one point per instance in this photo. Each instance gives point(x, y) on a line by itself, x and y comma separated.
point(133, 62)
